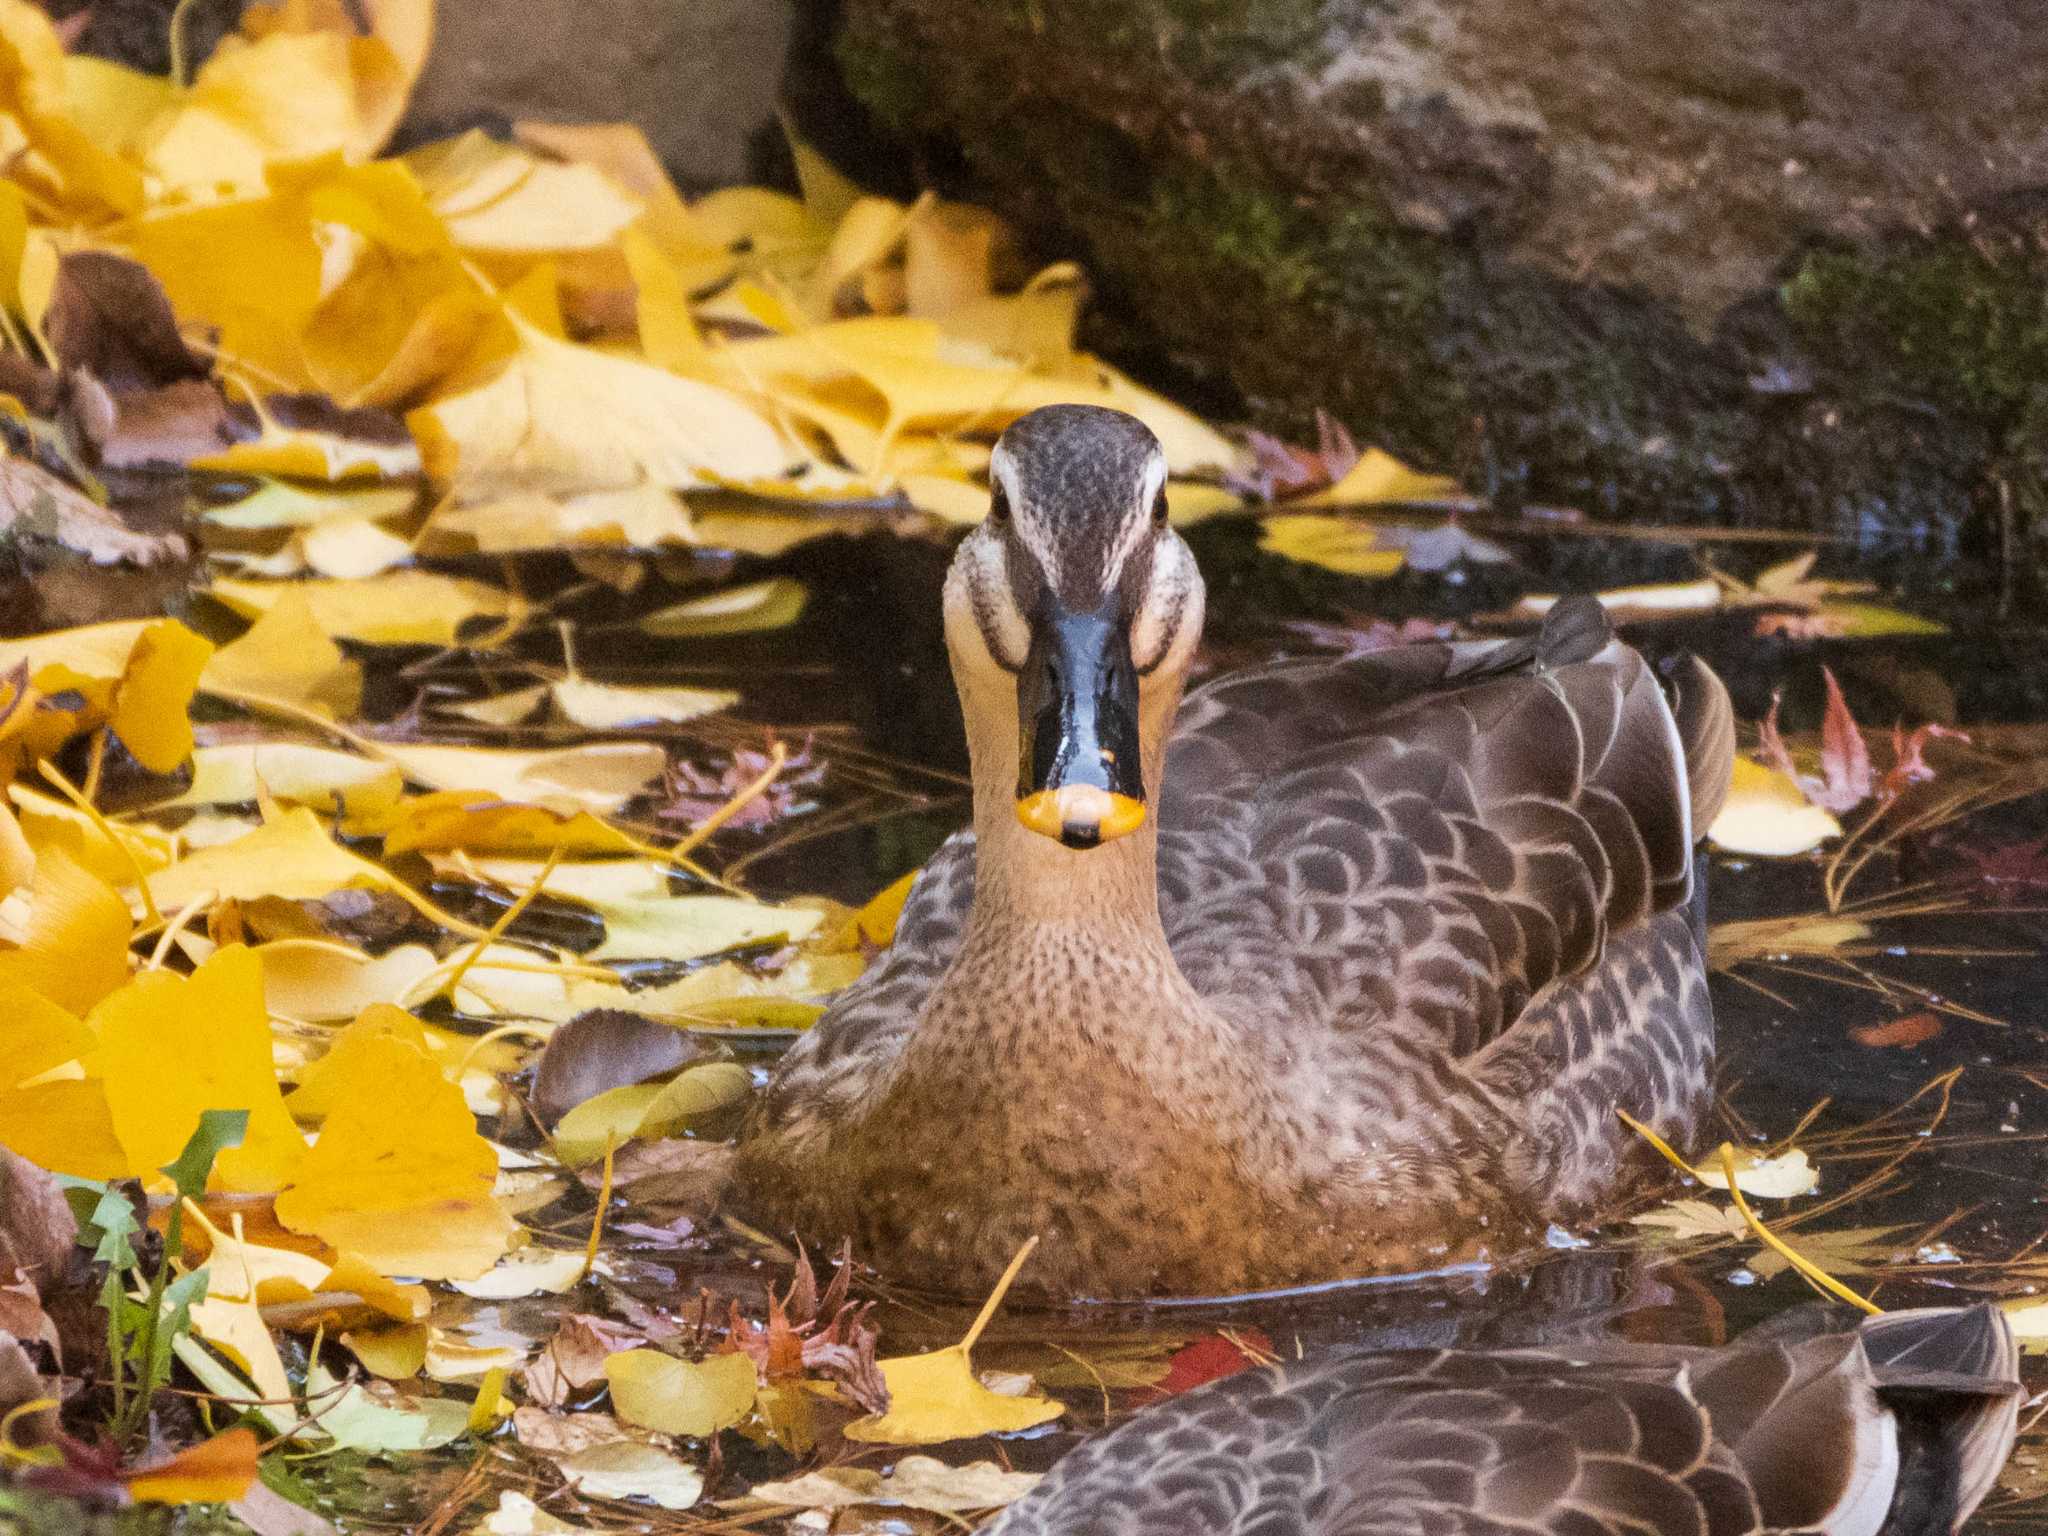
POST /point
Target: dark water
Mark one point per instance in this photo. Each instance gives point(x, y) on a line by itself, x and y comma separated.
point(1955, 1210)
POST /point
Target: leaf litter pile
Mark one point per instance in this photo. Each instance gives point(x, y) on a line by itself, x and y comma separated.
point(375, 997)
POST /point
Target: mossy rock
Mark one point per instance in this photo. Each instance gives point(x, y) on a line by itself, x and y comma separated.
point(1649, 261)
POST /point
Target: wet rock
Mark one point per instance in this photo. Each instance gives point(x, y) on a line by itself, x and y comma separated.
point(1726, 260)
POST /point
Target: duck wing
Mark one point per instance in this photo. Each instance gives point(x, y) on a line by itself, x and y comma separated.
point(1608, 1440)
point(1428, 837)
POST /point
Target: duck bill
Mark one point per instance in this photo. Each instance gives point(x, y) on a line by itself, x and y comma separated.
point(1079, 778)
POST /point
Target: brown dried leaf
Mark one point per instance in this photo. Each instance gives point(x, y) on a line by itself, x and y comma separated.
point(109, 318)
point(37, 1229)
point(36, 506)
point(574, 1358)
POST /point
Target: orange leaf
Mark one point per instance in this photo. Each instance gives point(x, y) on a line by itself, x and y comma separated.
point(215, 1471)
point(1902, 1033)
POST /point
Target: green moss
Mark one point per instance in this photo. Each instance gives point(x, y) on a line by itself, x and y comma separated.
point(882, 76)
point(1949, 321)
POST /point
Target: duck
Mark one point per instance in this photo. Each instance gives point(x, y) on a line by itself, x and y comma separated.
point(1341, 966)
point(1895, 1427)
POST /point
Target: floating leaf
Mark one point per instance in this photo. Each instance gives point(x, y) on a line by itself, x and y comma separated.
point(632, 1469)
point(1768, 814)
point(1379, 478)
point(936, 1396)
point(680, 1397)
point(397, 608)
point(646, 1111)
point(292, 772)
point(1782, 1177)
point(287, 655)
point(772, 604)
point(914, 1482)
point(215, 1471)
point(1338, 544)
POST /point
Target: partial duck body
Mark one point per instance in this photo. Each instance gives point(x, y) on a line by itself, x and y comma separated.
point(1897, 1427)
point(1341, 967)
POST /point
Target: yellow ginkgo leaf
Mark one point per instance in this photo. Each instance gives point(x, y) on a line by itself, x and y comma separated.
point(596, 776)
point(320, 979)
point(36, 1035)
point(290, 857)
point(647, 1111)
point(497, 197)
point(566, 418)
point(1768, 815)
point(278, 504)
point(936, 1396)
point(173, 1047)
point(399, 1176)
point(612, 707)
point(64, 1125)
point(636, 517)
point(154, 693)
point(294, 773)
point(287, 655)
point(397, 1354)
point(113, 851)
point(1782, 1177)
point(681, 1397)
point(136, 676)
point(235, 1327)
point(74, 950)
point(1379, 478)
point(397, 608)
point(68, 164)
point(690, 927)
point(1334, 543)
point(480, 822)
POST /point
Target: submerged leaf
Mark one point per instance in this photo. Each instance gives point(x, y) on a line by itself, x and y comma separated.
point(680, 1397)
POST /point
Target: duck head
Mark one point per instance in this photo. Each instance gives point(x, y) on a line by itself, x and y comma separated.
point(1071, 616)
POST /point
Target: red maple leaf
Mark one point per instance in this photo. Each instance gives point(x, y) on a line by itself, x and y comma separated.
point(1210, 1358)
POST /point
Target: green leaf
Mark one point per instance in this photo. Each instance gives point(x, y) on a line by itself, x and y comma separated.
point(107, 1221)
point(218, 1130)
point(758, 605)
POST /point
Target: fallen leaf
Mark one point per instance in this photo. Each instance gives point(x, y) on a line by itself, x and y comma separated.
point(172, 1047)
point(680, 1397)
point(772, 604)
point(36, 506)
point(396, 608)
point(1903, 1033)
point(632, 1469)
point(936, 1396)
point(290, 856)
point(1685, 1219)
point(1767, 814)
point(647, 1111)
point(598, 776)
point(1338, 544)
point(1782, 1177)
point(914, 1482)
point(567, 418)
point(215, 1471)
point(1378, 478)
point(399, 1174)
point(287, 655)
point(294, 773)
point(1844, 757)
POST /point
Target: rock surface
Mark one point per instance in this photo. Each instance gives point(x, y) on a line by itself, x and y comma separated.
point(1756, 261)
point(701, 77)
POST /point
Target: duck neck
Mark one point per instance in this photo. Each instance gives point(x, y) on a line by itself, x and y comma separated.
point(1024, 880)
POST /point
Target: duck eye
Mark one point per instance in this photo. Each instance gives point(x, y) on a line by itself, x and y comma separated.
point(998, 504)
point(1159, 509)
